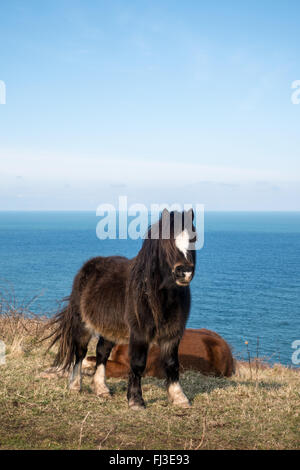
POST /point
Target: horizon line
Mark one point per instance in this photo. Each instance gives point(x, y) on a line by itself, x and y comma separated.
point(209, 210)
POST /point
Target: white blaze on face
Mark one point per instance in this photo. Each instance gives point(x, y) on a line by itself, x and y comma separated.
point(182, 241)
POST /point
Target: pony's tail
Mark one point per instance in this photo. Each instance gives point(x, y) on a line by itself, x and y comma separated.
point(65, 325)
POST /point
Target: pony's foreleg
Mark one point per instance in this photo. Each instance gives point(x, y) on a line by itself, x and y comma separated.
point(138, 350)
point(103, 351)
point(170, 363)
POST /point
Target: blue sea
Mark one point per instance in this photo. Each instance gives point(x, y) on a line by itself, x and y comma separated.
point(246, 286)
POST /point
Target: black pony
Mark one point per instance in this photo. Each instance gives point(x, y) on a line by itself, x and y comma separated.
point(139, 301)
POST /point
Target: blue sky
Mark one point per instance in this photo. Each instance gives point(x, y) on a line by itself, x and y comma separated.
point(163, 101)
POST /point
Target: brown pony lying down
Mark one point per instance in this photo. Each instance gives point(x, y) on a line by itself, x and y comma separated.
point(201, 350)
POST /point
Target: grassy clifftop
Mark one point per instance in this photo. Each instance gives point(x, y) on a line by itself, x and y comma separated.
point(258, 410)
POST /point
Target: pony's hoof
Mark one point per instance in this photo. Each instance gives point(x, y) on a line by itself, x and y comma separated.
point(74, 389)
point(103, 392)
point(182, 404)
point(177, 397)
point(106, 395)
point(75, 386)
point(181, 401)
point(135, 406)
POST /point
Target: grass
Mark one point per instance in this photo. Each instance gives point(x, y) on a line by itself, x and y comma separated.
point(258, 410)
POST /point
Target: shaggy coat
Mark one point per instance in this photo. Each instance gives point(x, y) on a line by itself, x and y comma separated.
point(140, 301)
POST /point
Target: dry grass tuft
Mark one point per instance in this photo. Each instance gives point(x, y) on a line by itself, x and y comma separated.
point(20, 329)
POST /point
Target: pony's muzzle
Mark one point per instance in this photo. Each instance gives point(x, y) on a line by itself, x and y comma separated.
point(183, 274)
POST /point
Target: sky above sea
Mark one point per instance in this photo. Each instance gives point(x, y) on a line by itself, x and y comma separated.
point(158, 100)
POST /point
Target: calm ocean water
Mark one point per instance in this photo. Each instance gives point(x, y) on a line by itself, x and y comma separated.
point(247, 282)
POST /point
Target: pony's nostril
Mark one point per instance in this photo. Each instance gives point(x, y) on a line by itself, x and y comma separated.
point(183, 272)
point(179, 271)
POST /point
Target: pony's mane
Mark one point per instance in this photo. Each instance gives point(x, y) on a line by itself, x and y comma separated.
point(147, 269)
point(145, 279)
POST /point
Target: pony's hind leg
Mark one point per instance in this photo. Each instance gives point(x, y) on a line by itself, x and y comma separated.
point(170, 362)
point(80, 353)
point(103, 351)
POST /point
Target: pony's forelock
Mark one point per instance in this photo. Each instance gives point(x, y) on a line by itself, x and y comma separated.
point(182, 242)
